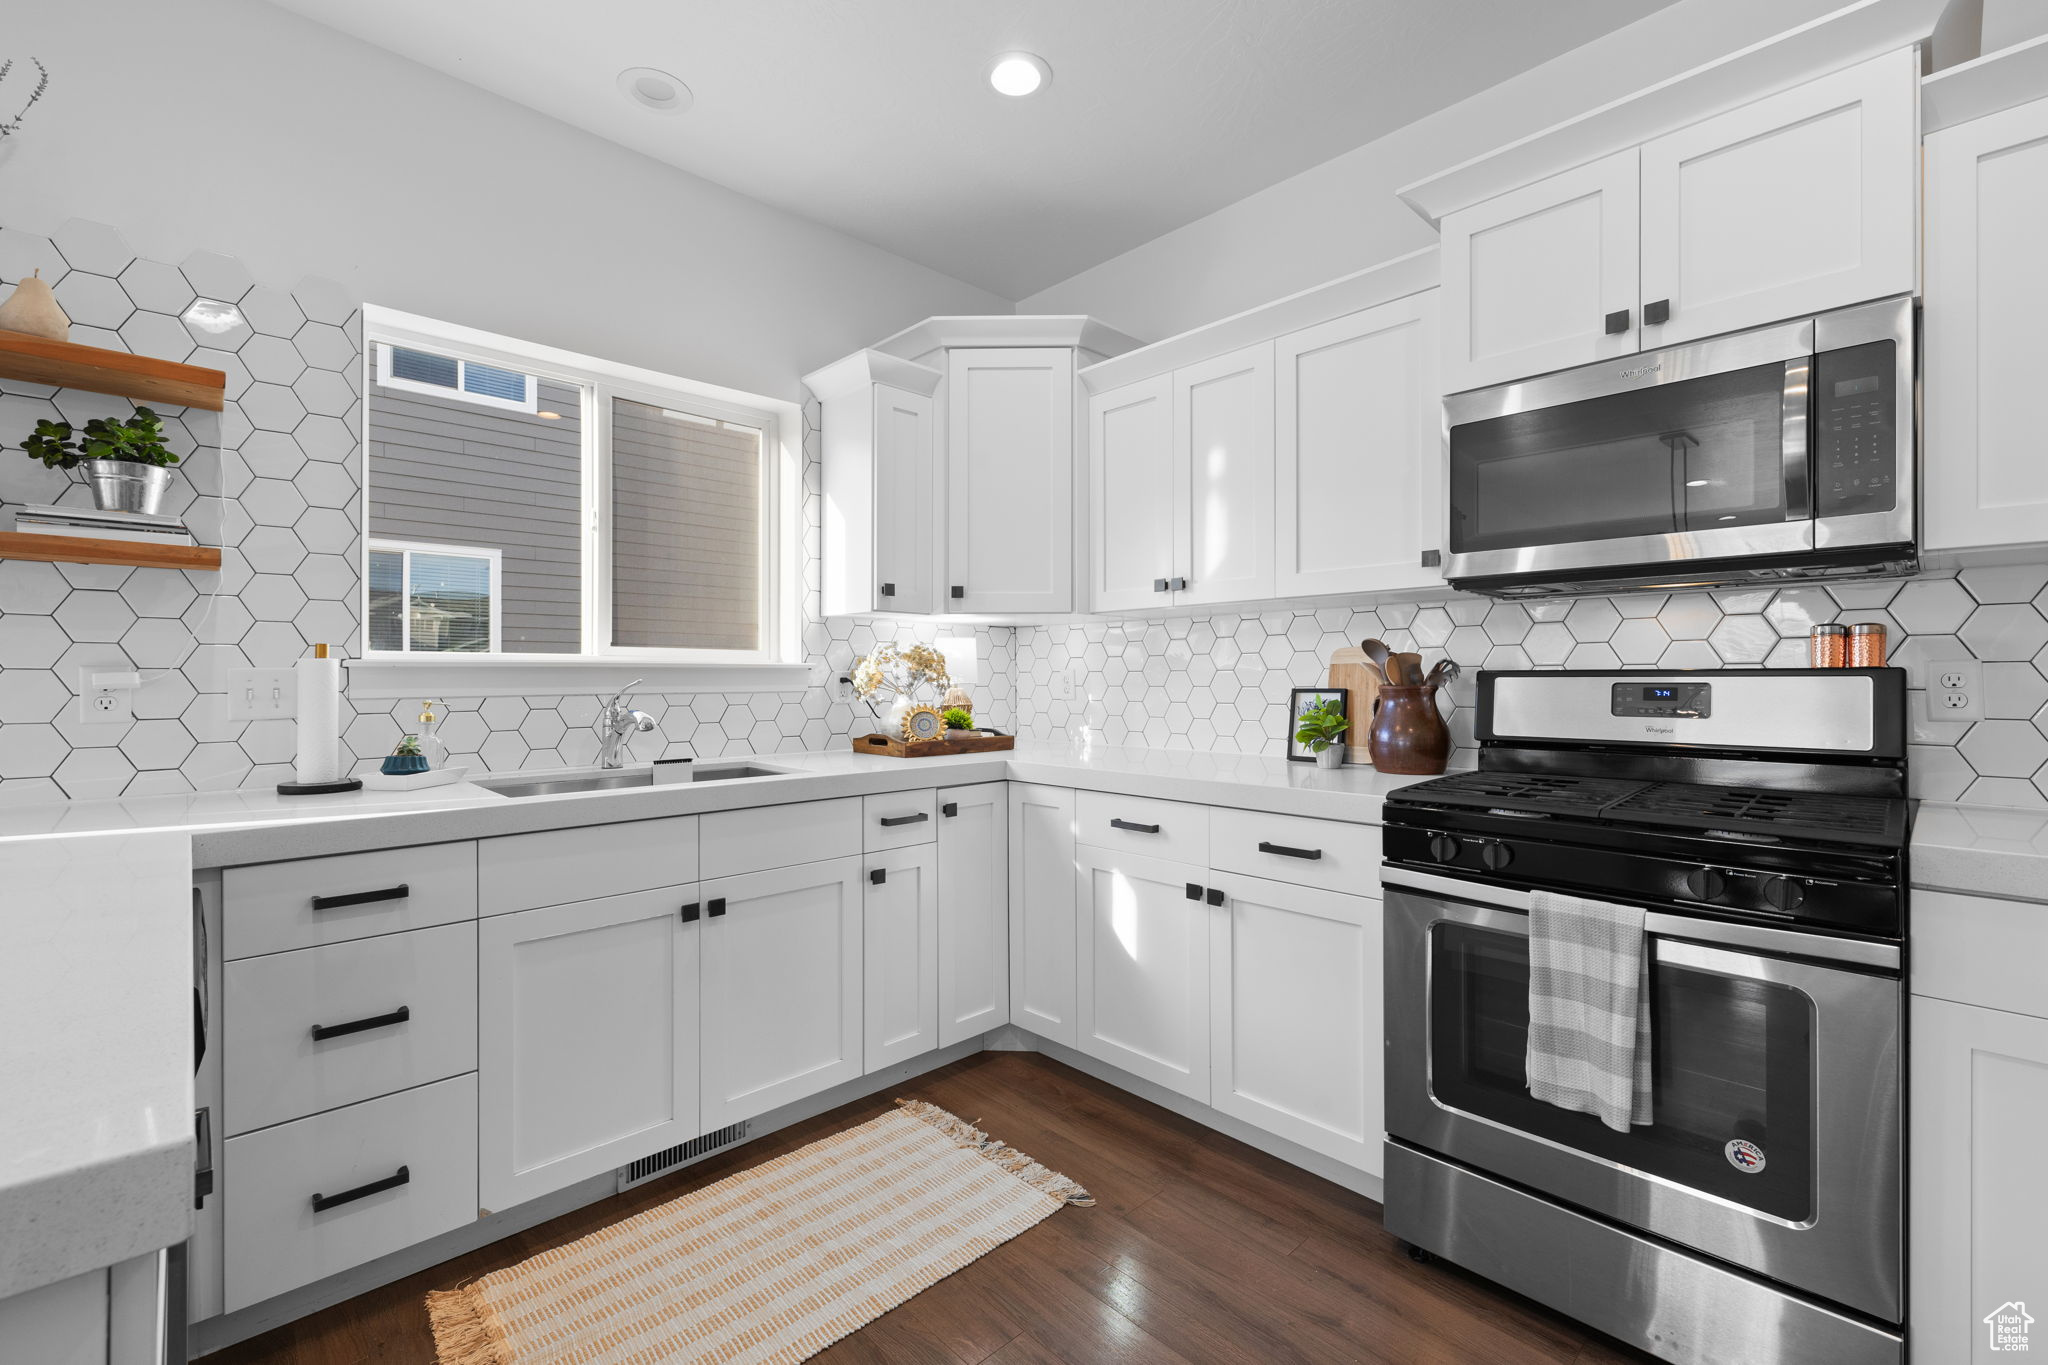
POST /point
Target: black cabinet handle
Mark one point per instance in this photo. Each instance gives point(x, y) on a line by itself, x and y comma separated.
point(1177, 584)
point(1432, 559)
point(202, 1172)
point(878, 876)
point(950, 809)
point(401, 1176)
point(1617, 322)
point(1134, 827)
point(690, 912)
point(1194, 892)
point(389, 893)
point(1159, 585)
point(322, 1032)
point(1215, 896)
point(1656, 314)
point(888, 590)
point(1310, 853)
point(892, 821)
point(958, 592)
point(715, 906)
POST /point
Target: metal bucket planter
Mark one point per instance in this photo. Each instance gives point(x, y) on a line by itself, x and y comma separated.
point(122, 486)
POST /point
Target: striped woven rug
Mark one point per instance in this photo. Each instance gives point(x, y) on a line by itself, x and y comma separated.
point(771, 1265)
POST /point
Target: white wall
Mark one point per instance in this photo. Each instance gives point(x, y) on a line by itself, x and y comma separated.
point(235, 126)
point(1342, 216)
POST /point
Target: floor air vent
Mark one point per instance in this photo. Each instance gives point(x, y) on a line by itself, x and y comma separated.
point(661, 1163)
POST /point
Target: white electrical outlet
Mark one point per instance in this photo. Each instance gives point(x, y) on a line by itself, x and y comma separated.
point(1063, 685)
point(262, 694)
point(842, 689)
point(1956, 690)
point(106, 698)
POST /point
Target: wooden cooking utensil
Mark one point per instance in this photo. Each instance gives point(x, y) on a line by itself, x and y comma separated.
point(1410, 668)
point(1380, 655)
point(1360, 679)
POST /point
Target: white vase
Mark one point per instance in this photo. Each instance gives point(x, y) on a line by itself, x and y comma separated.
point(892, 718)
point(1332, 757)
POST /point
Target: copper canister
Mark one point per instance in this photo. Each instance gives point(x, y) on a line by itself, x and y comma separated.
point(1828, 646)
point(1866, 645)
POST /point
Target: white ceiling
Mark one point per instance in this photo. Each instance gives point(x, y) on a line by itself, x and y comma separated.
point(875, 117)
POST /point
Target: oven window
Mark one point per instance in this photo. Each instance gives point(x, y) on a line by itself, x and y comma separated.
point(1733, 1061)
point(1700, 455)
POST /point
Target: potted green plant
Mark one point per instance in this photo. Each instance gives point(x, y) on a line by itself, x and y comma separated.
point(404, 759)
point(127, 464)
point(1320, 729)
point(959, 718)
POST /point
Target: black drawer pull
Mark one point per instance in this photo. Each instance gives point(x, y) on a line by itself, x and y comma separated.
point(1616, 322)
point(322, 1032)
point(1215, 896)
point(950, 809)
point(389, 893)
point(1284, 851)
point(1657, 314)
point(888, 590)
point(892, 821)
point(202, 1173)
point(401, 1176)
point(1134, 827)
point(1194, 892)
point(1159, 585)
point(958, 592)
point(690, 913)
point(1177, 584)
point(878, 876)
point(715, 906)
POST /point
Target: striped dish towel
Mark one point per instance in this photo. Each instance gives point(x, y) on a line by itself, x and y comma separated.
point(1589, 1008)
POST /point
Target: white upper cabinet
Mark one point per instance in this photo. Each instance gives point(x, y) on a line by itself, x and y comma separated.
point(1987, 293)
point(903, 500)
point(1359, 452)
point(1223, 477)
point(1796, 203)
point(879, 450)
point(1542, 278)
point(1009, 480)
point(1131, 511)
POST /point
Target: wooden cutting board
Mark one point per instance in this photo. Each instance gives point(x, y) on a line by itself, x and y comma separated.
point(1361, 678)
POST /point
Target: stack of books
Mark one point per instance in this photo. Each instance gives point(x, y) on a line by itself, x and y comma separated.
point(89, 523)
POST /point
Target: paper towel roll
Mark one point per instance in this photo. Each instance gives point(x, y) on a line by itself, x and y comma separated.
point(319, 756)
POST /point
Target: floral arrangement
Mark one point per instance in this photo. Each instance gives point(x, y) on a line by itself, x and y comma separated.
point(891, 671)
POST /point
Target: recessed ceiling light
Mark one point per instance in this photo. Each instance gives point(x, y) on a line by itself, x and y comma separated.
point(656, 90)
point(1019, 73)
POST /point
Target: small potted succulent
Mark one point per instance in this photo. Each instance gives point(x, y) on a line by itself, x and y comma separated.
point(1320, 730)
point(127, 464)
point(405, 759)
point(958, 718)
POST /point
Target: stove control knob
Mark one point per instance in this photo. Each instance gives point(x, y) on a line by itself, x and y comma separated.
point(1495, 856)
point(1443, 847)
point(1705, 884)
point(1785, 893)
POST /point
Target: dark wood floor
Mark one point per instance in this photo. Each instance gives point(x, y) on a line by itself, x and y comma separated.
point(1199, 1250)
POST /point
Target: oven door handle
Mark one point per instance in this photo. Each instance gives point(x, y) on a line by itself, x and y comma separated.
point(1760, 937)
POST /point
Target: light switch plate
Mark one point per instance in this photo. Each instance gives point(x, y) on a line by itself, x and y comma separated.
point(262, 694)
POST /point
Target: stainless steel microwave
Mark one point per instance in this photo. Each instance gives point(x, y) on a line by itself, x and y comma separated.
point(1785, 452)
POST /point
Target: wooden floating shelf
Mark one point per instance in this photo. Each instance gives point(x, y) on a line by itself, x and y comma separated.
point(140, 377)
point(126, 554)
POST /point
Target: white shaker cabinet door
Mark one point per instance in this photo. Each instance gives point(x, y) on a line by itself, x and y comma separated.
point(1130, 504)
point(974, 919)
point(1009, 480)
point(587, 1039)
point(1542, 278)
point(782, 987)
point(900, 950)
point(1043, 931)
point(1294, 1010)
point(1986, 482)
point(1979, 1106)
point(1223, 477)
point(1359, 451)
point(1144, 967)
point(1797, 203)
point(904, 475)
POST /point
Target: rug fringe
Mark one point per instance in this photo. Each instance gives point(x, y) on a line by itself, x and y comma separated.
point(464, 1331)
point(1017, 1163)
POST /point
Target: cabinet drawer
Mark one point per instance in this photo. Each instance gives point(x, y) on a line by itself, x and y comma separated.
point(1174, 830)
point(554, 867)
point(276, 1069)
point(897, 820)
point(740, 841)
point(277, 1240)
point(1977, 950)
point(1292, 848)
point(273, 907)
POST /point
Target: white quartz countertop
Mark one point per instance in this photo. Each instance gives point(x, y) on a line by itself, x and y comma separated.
point(96, 1142)
point(1982, 850)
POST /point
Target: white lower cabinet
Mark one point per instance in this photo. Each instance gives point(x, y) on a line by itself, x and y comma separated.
point(974, 919)
point(1979, 1105)
point(1043, 920)
point(1144, 967)
point(587, 1040)
point(1294, 1015)
point(900, 947)
point(781, 1012)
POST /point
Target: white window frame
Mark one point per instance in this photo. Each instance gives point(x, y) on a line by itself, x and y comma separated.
point(776, 664)
point(386, 379)
point(409, 548)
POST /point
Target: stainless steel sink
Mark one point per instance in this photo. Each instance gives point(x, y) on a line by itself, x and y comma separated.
point(623, 779)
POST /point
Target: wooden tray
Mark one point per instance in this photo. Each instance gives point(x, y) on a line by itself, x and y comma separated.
point(955, 742)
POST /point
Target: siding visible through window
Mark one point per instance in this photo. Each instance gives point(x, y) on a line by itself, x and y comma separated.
point(686, 531)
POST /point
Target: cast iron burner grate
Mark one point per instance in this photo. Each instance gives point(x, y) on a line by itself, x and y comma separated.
point(1753, 811)
point(1530, 793)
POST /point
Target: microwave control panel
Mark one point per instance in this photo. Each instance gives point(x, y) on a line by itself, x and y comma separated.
point(1855, 430)
point(1668, 700)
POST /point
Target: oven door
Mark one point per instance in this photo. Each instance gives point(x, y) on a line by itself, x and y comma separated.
point(1695, 453)
point(1776, 1084)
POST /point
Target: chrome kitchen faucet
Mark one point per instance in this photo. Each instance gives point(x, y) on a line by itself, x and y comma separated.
point(616, 725)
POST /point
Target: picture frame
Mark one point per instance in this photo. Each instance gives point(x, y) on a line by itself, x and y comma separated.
point(1299, 700)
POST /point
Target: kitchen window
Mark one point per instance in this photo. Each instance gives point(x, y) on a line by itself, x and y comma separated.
point(526, 506)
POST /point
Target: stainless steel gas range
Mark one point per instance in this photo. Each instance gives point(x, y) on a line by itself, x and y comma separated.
point(1760, 818)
